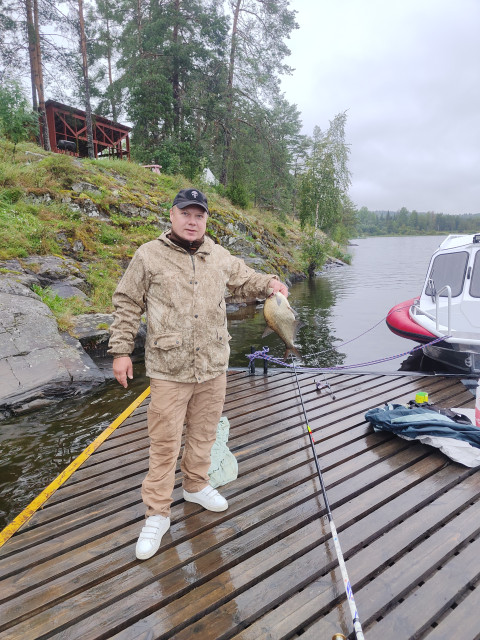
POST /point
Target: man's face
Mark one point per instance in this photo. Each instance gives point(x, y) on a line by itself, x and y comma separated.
point(189, 223)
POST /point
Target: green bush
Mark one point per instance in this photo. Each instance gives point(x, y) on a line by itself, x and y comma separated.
point(11, 195)
point(314, 253)
point(173, 155)
point(62, 308)
point(281, 231)
point(341, 255)
point(61, 168)
point(238, 195)
point(103, 277)
point(109, 235)
point(23, 233)
point(220, 189)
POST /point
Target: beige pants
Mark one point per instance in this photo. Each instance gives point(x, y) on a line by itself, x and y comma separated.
point(173, 404)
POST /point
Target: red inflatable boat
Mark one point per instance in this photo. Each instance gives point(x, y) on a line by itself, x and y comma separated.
point(399, 322)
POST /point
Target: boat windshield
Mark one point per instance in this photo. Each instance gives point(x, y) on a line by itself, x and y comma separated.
point(475, 281)
point(447, 268)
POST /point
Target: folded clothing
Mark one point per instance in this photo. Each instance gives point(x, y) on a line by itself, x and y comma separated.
point(455, 436)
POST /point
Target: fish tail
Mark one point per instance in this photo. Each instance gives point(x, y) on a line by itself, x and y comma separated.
point(291, 350)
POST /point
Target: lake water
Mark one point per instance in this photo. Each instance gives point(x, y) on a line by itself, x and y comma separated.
point(336, 308)
point(346, 302)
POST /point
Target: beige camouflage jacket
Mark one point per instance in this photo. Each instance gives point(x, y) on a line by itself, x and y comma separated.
point(183, 296)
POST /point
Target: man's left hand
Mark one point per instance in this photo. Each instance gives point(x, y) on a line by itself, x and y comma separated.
point(276, 285)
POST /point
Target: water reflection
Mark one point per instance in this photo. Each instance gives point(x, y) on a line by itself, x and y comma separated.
point(36, 447)
point(313, 300)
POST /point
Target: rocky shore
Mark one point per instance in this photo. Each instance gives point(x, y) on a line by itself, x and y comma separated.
point(38, 363)
point(85, 219)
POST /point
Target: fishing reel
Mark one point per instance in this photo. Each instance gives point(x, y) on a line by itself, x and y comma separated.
point(339, 636)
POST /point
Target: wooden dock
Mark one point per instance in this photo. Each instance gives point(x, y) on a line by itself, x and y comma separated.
point(408, 521)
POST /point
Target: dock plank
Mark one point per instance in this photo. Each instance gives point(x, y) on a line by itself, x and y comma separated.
point(401, 567)
point(437, 593)
point(462, 618)
point(407, 518)
point(293, 615)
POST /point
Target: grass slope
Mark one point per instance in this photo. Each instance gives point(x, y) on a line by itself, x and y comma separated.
point(100, 211)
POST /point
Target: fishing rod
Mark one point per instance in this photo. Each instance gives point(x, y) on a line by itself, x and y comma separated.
point(341, 562)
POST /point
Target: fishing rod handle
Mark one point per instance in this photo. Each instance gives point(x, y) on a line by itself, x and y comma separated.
point(348, 588)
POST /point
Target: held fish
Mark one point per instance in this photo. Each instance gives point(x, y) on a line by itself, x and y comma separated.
point(281, 319)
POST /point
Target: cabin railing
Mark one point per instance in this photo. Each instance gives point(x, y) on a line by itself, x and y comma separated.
point(437, 294)
point(448, 289)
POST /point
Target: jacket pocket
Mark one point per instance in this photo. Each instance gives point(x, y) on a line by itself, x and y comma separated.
point(218, 350)
point(167, 341)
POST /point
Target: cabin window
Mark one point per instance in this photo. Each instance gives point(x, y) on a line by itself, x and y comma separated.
point(447, 268)
point(475, 281)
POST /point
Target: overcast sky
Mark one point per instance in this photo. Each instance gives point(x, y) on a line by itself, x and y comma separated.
point(408, 74)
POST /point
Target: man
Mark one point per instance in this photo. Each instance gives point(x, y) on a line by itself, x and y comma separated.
point(179, 279)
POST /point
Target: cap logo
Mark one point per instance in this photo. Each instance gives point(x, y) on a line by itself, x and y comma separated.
point(195, 194)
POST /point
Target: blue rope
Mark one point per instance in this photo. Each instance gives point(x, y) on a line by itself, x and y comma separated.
point(263, 354)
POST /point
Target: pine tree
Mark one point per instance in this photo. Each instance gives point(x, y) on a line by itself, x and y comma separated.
point(86, 80)
point(169, 51)
point(257, 51)
point(35, 54)
point(103, 27)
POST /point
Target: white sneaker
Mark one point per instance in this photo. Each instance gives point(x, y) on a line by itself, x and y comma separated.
point(150, 536)
point(208, 497)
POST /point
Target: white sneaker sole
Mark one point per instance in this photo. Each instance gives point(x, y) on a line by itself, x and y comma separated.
point(147, 554)
point(188, 498)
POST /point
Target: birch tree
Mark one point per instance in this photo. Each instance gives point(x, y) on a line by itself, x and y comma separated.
point(325, 182)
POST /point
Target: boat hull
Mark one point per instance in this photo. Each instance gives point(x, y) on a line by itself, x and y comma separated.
point(401, 324)
point(464, 360)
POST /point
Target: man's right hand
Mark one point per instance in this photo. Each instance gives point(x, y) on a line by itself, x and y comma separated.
point(123, 369)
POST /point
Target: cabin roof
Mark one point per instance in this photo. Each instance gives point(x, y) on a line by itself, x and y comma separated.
point(74, 111)
point(454, 241)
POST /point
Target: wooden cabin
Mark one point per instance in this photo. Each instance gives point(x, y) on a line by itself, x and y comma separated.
point(67, 131)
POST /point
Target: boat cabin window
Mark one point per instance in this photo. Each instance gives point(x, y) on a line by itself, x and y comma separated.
point(447, 268)
point(475, 281)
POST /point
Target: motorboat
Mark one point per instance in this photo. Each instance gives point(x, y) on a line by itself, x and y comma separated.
point(448, 307)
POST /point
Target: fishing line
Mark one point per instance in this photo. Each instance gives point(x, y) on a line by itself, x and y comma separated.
point(343, 343)
point(341, 562)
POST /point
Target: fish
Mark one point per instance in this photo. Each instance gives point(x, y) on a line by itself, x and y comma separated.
point(281, 319)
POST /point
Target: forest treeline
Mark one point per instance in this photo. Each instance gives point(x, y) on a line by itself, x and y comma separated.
point(199, 81)
point(405, 222)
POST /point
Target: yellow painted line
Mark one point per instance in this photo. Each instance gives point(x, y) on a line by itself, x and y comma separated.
point(40, 500)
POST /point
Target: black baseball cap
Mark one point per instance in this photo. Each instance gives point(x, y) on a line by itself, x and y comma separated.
point(186, 197)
